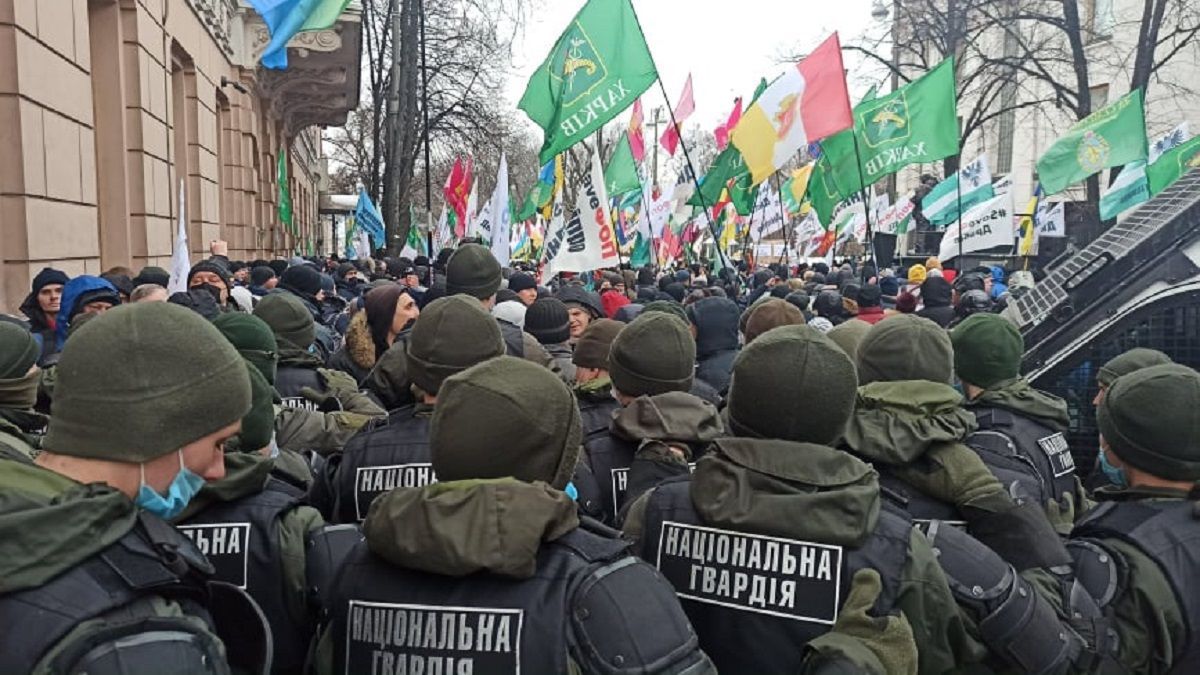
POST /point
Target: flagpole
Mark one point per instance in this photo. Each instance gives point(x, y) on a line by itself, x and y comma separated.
point(958, 191)
point(866, 202)
point(425, 126)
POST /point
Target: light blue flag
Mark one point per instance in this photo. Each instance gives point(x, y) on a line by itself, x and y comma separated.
point(368, 218)
point(1129, 189)
point(284, 18)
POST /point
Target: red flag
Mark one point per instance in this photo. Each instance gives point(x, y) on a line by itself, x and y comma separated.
point(637, 142)
point(457, 190)
point(722, 130)
point(683, 110)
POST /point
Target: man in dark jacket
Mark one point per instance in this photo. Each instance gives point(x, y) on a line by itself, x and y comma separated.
point(777, 489)
point(41, 308)
point(1021, 435)
point(85, 294)
point(548, 321)
point(936, 294)
point(498, 550)
point(650, 364)
point(453, 334)
point(304, 283)
point(714, 323)
point(583, 306)
point(262, 280)
point(593, 385)
point(21, 427)
point(84, 529)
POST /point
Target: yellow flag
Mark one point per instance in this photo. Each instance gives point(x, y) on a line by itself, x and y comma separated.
point(1027, 228)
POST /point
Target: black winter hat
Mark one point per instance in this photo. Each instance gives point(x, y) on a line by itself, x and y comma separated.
point(473, 271)
point(521, 282)
point(935, 292)
point(215, 268)
point(344, 269)
point(48, 275)
point(548, 321)
point(261, 275)
point(869, 296)
point(578, 295)
point(108, 295)
point(301, 279)
point(152, 275)
point(829, 304)
point(120, 281)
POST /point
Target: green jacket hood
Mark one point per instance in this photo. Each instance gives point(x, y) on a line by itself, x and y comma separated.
point(246, 473)
point(52, 523)
point(1020, 397)
point(897, 422)
point(673, 416)
point(291, 356)
point(787, 489)
point(458, 528)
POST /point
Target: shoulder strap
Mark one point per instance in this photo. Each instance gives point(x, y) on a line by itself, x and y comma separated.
point(594, 542)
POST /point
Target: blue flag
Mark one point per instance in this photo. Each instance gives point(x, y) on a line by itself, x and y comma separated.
point(368, 218)
point(285, 18)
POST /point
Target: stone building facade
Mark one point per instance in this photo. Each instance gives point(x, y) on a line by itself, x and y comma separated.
point(108, 107)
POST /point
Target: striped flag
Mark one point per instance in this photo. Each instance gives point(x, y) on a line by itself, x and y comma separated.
point(807, 103)
point(683, 110)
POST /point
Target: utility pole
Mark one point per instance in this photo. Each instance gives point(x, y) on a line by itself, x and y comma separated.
point(391, 186)
point(425, 125)
point(655, 124)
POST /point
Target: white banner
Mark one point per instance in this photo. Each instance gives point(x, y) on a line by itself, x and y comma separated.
point(586, 241)
point(768, 215)
point(180, 265)
point(889, 220)
point(1051, 220)
point(986, 226)
point(499, 217)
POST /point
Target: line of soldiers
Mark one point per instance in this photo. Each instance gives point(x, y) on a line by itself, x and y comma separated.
point(844, 509)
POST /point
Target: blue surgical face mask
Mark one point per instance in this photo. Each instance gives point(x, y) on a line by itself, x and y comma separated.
point(1115, 475)
point(572, 492)
point(183, 487)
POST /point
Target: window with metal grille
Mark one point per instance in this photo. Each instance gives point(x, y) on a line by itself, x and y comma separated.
point(1170, 326)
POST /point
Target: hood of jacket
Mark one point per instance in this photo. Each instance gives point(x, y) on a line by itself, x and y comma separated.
point(465, 527)
point(897, 422)
point(76, 287)
point(52, 523)
point(787, 489)
point(291, 356)
point(716, 322)
point(246, 473)
point(1020, 397)
point(673, 416)
point(359, 343)
point(32, 309)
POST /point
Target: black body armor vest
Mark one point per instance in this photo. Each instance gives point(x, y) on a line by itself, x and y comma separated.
point(756, 600)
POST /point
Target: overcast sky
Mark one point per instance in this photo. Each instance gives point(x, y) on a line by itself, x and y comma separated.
point(727, 45)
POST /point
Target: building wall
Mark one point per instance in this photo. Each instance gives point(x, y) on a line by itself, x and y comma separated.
point(105, 106)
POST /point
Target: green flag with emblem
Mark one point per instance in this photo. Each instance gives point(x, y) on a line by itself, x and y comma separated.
point(1173, 164)
point(916, 124)
point(1112, 136)
point(621, 176)
point(285, 194)
point(597, 68)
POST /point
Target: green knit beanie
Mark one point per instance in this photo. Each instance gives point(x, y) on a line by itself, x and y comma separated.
point(178, 380)
point(593, 346)
point(505, 417)
point(987, 350)
point(653, 354)
point(792, 383)
point(1151, 419)
point(905, 347)
point(452, 334)
point(253, 339)
point(258, 425)
point(1134, 359)
point(849, 335)
point(668, 307)
point(288, 318)
point(18, 351)
point(473, 271)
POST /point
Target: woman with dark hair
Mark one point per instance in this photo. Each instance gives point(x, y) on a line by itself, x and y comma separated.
point(388, 311)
